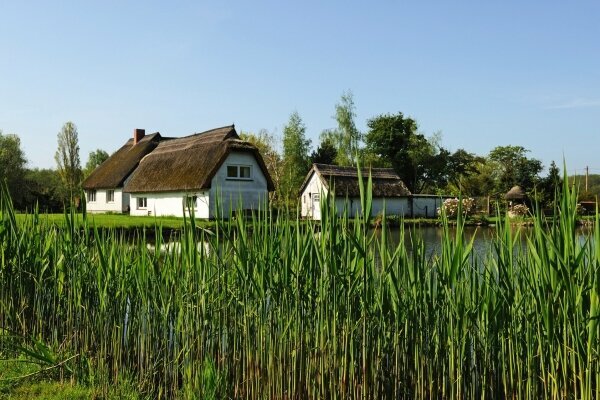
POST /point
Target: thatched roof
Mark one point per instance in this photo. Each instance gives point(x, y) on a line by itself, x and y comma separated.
point(515, 193)
point(190, 163)
point(344, 180)
point(113, 172)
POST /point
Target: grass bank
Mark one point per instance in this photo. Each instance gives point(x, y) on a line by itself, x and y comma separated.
point(112, 221)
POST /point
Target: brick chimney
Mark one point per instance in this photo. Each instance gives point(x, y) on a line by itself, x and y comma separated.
point(138, 134)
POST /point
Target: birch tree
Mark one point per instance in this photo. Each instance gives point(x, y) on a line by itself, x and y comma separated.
point(67, 158)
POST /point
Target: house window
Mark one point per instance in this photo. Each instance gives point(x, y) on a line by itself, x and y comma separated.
point(91, 195)
point(242, 172)
point(191, 202)
point(110, 196)
point(142, 202)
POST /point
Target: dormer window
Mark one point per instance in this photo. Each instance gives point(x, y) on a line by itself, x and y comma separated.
point(239, 172)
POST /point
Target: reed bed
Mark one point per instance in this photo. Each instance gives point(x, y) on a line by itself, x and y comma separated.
point(277, 308)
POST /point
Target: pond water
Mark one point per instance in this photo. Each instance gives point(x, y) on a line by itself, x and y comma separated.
point(431, 236)
point(482, 236)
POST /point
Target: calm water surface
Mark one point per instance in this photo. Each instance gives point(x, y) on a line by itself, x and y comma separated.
point(482, 243)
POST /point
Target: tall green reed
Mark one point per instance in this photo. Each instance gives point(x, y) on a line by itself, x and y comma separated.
point(272, 306)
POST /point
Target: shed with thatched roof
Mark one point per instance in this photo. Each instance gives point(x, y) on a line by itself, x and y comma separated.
point(388, 189)
point(200, 172)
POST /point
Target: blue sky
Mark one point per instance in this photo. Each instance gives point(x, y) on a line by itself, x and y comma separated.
point(482, 73)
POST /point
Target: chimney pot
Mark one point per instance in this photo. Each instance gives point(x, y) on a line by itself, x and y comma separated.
point(138, 135)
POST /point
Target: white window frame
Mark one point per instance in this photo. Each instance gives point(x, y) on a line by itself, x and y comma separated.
point(238, 176)
point(91, 196)
point(110, 196)
point(143, 200)
point(186, 201)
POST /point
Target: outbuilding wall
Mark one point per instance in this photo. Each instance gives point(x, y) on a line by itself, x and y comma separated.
point(392, 205)
point(425, 206)
point(414, 206)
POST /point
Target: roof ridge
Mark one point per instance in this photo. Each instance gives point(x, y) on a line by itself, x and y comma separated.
point(232, 126)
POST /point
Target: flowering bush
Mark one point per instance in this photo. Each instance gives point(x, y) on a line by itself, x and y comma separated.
point(450, 207)
point(519, 210)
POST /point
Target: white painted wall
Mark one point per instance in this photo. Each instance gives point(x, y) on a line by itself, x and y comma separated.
point(234, 194)
point(119, 205)
point(169, 204)
point(309, 208)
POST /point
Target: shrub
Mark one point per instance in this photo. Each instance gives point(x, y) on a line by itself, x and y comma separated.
point(450, 207)
point(519, 210)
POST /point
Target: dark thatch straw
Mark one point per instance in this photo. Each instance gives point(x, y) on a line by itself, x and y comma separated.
point(113, 172)
point(190, 163)
point(515, 193)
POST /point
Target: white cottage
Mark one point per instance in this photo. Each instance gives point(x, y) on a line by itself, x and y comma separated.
point(104, 187)
point(388, 189)
point(155, 175)
point(213, 172)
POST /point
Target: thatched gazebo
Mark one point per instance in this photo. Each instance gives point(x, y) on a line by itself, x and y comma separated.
point(516, 193)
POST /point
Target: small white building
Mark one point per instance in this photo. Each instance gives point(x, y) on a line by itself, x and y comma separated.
point(389, 192)
point(213, 172)
point(388, 189)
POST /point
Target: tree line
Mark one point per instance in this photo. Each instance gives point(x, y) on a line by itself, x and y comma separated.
point(392, 140)
point(48, 189)
point(395, 141)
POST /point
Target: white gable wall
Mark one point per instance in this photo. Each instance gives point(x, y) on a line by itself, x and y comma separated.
point(100, 205)
point(309, 208)
point(230, 194)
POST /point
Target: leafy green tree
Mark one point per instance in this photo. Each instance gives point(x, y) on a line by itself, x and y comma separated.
point(512, 167)
point(266, 144)
point(389, 137)
point(345, 137)
point(12, 167)
point(67, 159)
point(419, 161)
point(480, 182)
point(593, 192)
point(461, 166)
point(550, 187)
point(95, 158)
point(296, 161)
point(326, 153)
point(43, 190)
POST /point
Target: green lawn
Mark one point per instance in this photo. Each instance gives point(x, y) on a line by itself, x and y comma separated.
point(119, 221)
